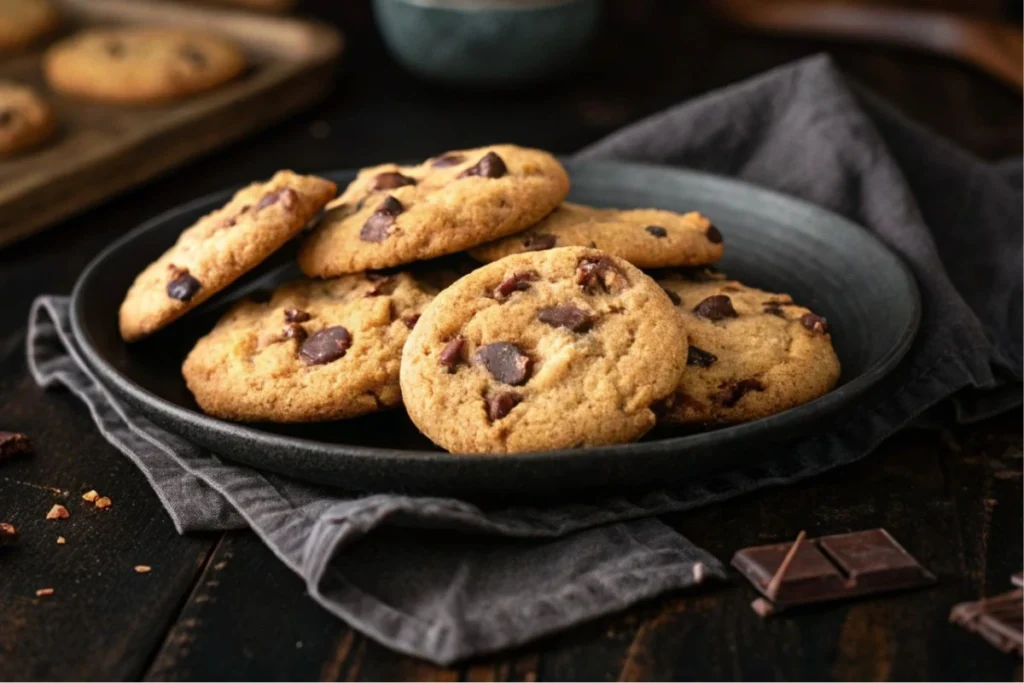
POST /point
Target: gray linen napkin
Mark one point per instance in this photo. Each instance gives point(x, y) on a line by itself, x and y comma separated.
point(445, 580)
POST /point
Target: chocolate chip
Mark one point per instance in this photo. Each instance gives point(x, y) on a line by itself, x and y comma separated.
point(517, 282)
point(294, 331)
point(447, 160)
point(505, 362)
point(595, 273)
point(13, 443)
point(411, 320)
point(713, 235)
point(6, 117)
point(325, 346)
point(499, 405)
point(378, 226)
point(451, 356)
point(296, 315)
point(8, 534)
point(114, 48)
point(772, 308)
point(717, 307)
point(192, 55)
point(489, 166)
point(699, 357)
point(815, 323)
point(673, 297)
point(287, 197)
point(390, 180)
point(732, 392)
point(657, 230)
point(539, 242)
point(568, 316)
point(182, 285)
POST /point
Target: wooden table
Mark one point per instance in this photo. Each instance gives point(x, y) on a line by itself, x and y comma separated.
point(221, 606)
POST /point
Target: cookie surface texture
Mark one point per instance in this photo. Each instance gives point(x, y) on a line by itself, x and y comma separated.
point(141, 66)
point(555, 349)
point(647, 238)
point(391, 215)
point(752, 353)
point(317, 350)
point(22, 22)
point(26, 120)
point(219, 248)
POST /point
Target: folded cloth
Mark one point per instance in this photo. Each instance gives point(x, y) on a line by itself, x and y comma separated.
point(444, 580)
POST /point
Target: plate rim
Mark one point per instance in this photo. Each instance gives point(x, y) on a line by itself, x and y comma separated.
point(804, 413)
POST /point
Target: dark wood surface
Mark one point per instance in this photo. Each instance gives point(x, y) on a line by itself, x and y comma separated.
point(221, 606)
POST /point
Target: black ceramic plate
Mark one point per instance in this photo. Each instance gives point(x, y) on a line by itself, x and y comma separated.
point(833, 266)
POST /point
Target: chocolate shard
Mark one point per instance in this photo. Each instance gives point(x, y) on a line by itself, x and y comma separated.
point(505, 361)
point(715, 308)
point(997, 619)
point(13, 443)
point(325, 346)
point(568, 316)
point(182, 285)
point(699, 357)
point(516, 282)
point(499, 405)
point(490, 166)
point(451, 354)
point(539, 242)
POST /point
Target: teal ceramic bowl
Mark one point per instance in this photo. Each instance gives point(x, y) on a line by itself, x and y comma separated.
point(488, 43)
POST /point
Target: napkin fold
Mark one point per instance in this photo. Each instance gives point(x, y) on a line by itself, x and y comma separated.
point(443, 579)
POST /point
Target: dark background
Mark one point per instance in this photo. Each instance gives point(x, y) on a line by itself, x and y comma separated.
point(221, 606)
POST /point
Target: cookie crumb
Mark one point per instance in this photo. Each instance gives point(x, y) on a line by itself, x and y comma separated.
point(58, 512)
point(8, 534)
point(61, 540)
point(43, 592)
point(90, 496)
point(103, 502)
point(142, 569)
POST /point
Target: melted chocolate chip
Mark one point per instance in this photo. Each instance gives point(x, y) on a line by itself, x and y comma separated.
point(815, 323)
point(499, 405)
point(713, 234)
point(192, 55)
point(699, 357)
point(657, 230)
point(539, 242)
point(568, 316)
point(517, 282)
point(595, 273)
point(447, 160)
point(411, 320)
point(717, 307)
point(378, 226)
point(672, 296)
point(296, 315)
point(505, 362)
point(490, 166)
point(451, 355)
point(732, 392)
point(294, 331)
point(325, 346)
point(287, 197)
point(390, 180)
point(182, 285)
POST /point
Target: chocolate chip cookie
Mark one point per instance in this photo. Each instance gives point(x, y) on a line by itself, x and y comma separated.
point(752, 353)
point(220, 247)
point(647, 238)
point(392, 215)
point(141, 66)
point(26, 120)
point(317, 350)
point(23, 21)
point(551, 349)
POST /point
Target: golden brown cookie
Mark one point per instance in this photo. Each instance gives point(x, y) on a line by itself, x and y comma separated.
point(318, 350)
point(23, 21)
point(551, 349)
point(752, 353)
point(220, 247)
point(391, 215)
point(26, 120)
point(647, 238)
point(141, 65)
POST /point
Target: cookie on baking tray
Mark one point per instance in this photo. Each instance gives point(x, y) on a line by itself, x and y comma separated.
point(391, 215)
point(550, 349)
point(221, 247)
point(141, 65)
point(647, 238)
point(317, 350)
point(24, 21)
point(26, 120)
point(752, 353)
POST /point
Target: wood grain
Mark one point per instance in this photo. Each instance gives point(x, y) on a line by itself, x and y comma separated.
point(104, 149)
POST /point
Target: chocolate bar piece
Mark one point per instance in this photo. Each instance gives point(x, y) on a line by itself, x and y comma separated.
point(999, 620)
point(831, 568)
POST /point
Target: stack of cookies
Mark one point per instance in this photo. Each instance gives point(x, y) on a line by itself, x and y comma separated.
point(559, 340)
